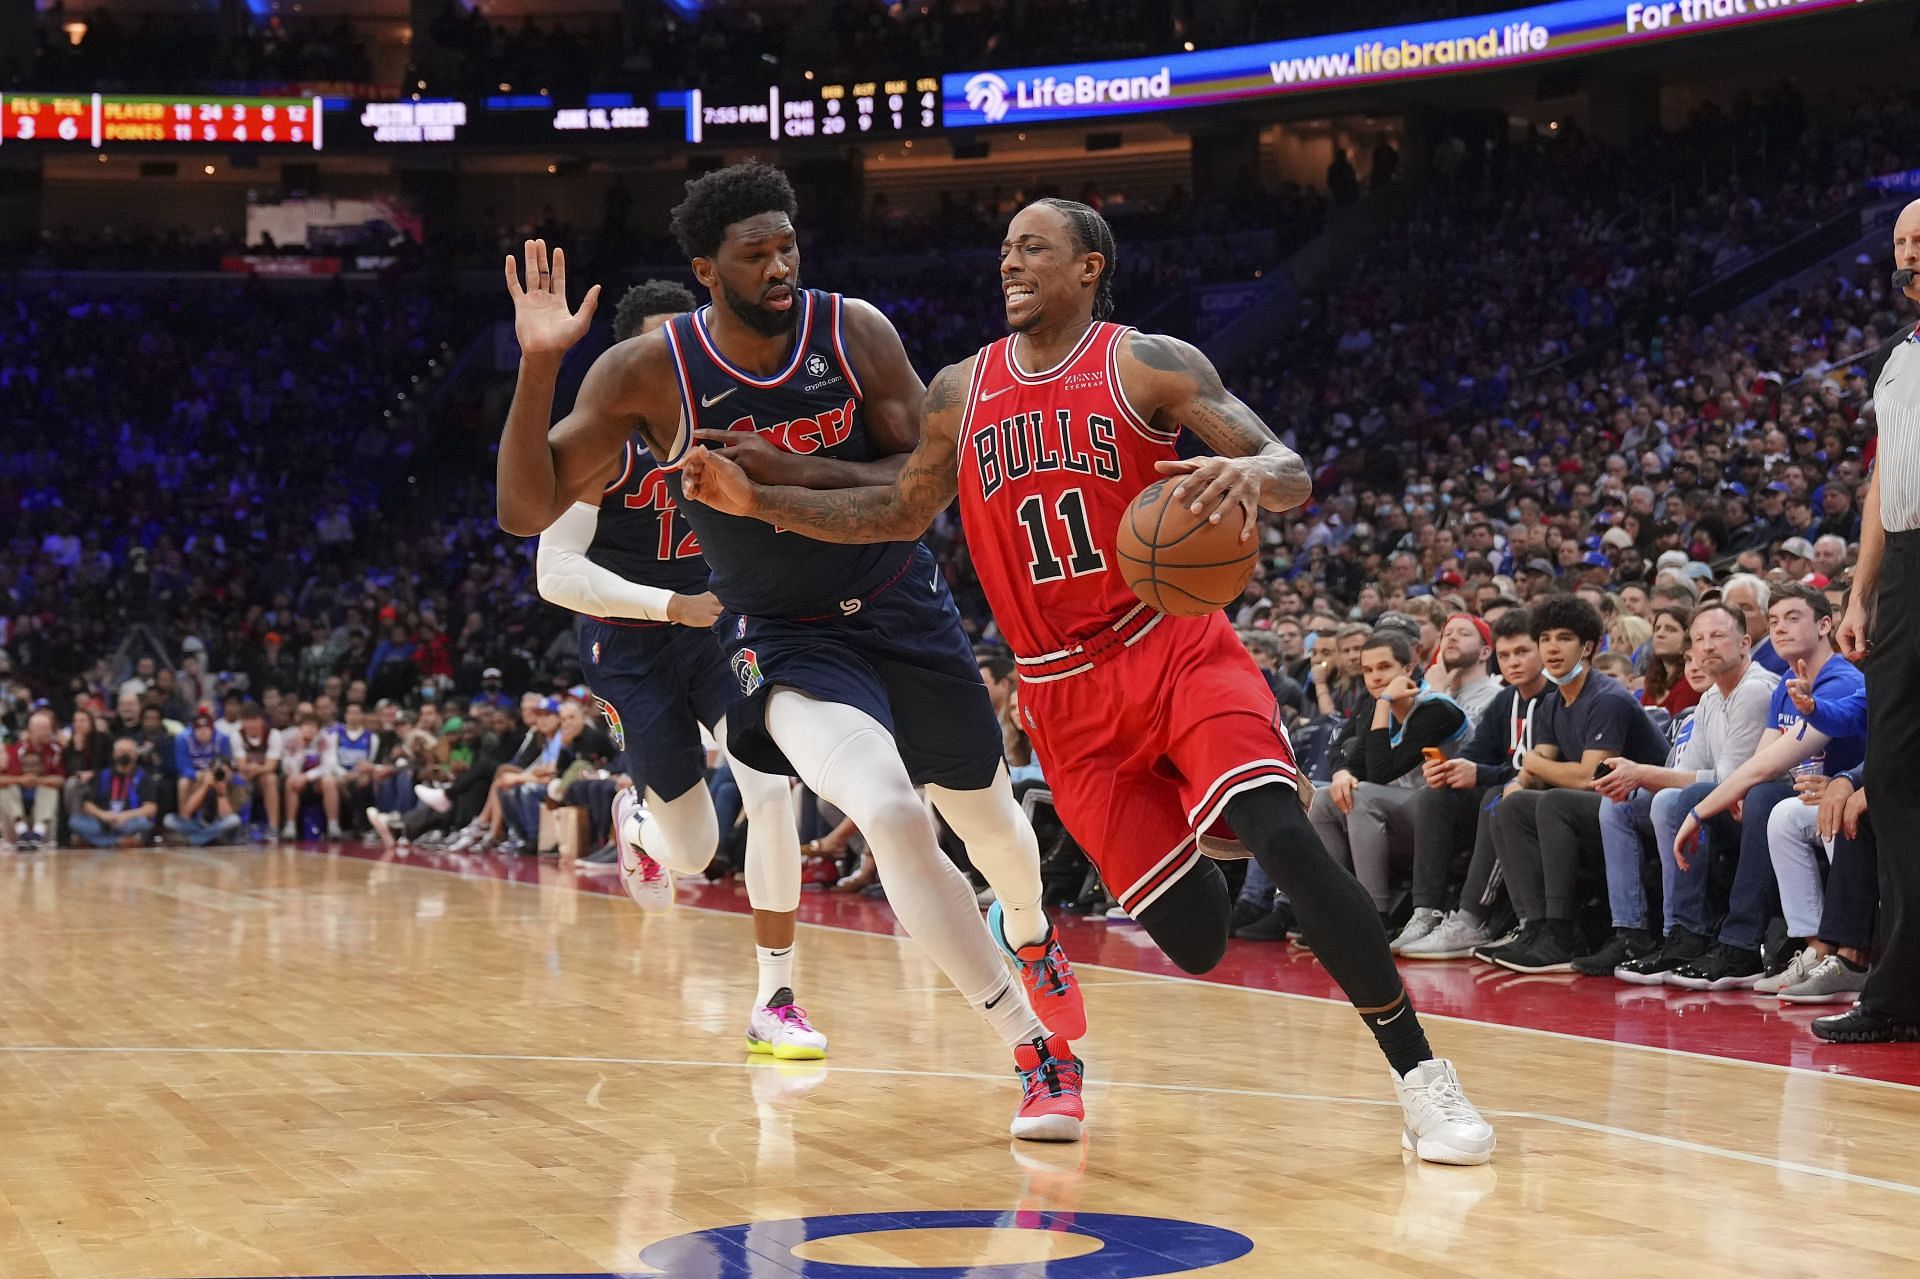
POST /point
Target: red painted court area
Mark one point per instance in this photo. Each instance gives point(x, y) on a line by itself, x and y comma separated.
point(1733, 1025)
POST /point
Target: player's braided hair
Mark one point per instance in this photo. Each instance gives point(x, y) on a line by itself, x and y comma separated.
point(647, 299)
point(1091, 234)
point(717, 200)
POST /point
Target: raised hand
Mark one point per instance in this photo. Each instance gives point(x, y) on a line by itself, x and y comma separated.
point(1800, 688)
point(542, 321)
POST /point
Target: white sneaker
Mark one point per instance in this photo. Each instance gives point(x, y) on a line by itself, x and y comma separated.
point(434, 797)
point(1442, 1127)
point(1832, 981)
point(648, 882)
point(783, 1032)
point(377, 820)
point(1798, 969)
point(1422, 922)
point(1455, 937)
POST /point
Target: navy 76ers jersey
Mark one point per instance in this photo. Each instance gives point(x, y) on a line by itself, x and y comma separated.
point(811, 407)
point(642, 534)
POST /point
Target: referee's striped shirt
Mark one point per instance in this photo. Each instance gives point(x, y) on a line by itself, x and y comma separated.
point(1896, 405)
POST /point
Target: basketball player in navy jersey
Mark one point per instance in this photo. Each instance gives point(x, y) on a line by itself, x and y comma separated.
point(854, 670)
point(625, 561)
point(1157, 732)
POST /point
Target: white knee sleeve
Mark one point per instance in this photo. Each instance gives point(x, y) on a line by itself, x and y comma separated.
point(999, 838)
point(684, 831)
point(850, 760)
point(773, 835)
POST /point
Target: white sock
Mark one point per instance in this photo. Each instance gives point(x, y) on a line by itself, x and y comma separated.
point(776, 973)
point(1008, 1012)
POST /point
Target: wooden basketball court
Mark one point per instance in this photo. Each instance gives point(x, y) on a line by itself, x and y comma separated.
point(293, 1063)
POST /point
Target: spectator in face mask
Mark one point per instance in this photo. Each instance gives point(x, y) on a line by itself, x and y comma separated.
point(121, 807)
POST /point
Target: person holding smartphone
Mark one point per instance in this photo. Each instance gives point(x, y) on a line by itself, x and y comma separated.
point(1548, 821)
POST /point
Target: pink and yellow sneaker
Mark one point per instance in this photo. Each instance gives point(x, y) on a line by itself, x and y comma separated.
point(781, 1030)
point(1050, 1108)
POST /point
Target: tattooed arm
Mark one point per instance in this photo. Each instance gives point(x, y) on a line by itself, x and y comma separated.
point(900, 511)
point(1176, 385)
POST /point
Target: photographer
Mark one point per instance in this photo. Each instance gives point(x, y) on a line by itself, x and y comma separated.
point(122, 804)
point(204, 763)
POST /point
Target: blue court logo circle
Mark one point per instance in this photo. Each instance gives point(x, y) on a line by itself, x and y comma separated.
point(1130, 1247)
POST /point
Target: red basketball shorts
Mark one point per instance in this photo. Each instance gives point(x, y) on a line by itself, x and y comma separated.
point(1142, 750)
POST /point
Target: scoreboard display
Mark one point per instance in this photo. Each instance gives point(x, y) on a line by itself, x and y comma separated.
point(101, 120)
point(866, 107)
point(857, 109)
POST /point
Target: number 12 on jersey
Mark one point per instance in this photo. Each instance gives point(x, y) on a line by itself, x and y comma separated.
point(1043, 563)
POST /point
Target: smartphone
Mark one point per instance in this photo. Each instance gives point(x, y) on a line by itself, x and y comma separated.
point(1432, 754)
point(1601, 770)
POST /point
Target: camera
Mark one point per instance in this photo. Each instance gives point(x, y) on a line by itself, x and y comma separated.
point(221, 773)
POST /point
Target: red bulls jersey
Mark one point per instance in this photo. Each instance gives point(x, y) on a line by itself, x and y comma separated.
point(1049, 462)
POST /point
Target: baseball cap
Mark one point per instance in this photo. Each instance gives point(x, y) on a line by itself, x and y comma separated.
point(1539, 566)
point(273, 637)
point(1449, 577)
point(1698, 571)
point(1799, 546)
point(549, 706)
point(492, 672)
point(1594, 559)
point(1618, 538)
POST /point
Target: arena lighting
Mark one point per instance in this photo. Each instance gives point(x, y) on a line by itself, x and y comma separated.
point(1415, 51)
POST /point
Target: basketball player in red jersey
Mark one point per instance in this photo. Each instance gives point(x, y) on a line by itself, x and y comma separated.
point(853, 669)
point(1155, 731)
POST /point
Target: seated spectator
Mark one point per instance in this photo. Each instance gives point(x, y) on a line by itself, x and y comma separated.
point(1459, 668)
point(1665, 685)
point(1454, 810)
point(309, 760)
point(123, 804)
point(1364, 815)
point(1830, 925)
point(203, 767)
point(1642, 806)
point(31, 785)
point(88, 753)
point(1819, 725)
point(1338, 687)
point(1548, 823)
point(1752, 595)
point(257, 751)
point(357, 754)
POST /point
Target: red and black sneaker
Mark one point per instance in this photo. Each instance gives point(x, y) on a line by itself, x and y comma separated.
point(1051, 986)
point(1050, 1108)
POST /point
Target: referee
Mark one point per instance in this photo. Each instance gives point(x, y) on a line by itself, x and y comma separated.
point(1883, 618)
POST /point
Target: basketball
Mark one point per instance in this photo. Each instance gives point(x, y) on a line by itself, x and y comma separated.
point(1175, 560)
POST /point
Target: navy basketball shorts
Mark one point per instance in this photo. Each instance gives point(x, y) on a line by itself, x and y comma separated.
point(898, 653)
point(657, 684)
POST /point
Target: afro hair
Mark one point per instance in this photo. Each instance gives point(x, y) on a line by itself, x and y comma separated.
point(717, 200)
point(647, 299)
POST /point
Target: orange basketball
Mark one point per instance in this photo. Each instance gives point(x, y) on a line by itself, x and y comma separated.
point(1178, 562)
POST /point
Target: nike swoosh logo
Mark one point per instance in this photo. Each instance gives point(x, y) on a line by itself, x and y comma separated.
point(991, 1003)
point(1389, 1020)
point(988, 395)
point(708, 401)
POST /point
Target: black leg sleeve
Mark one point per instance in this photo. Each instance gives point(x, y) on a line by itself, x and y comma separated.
point(1189, 921)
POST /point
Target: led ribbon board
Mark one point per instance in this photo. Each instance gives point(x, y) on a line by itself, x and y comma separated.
point(1485, 42)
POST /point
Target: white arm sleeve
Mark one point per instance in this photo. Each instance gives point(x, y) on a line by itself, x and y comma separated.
point(568, 578)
